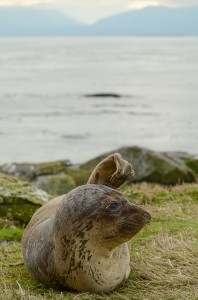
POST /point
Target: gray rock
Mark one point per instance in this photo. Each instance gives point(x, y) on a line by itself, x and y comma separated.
point(150, 166)
point(190, 160)
point(56, 177)
point(18, 199)
point(29, 171)
point(103, 95)
point(57, 184)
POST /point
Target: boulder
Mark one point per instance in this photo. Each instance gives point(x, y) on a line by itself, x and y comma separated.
point(190, 160)
point(57, 184)
point(150, 166)
point(56, 178)
point(18, 199)
point(80, 176)
point(29, 171)
point(192, 163)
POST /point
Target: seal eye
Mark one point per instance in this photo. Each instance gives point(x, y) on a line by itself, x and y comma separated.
point(113, 207)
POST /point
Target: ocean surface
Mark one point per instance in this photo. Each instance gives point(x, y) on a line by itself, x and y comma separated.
point(45, 115)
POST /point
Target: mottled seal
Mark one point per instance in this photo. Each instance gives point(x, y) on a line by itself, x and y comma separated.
point(80, 240)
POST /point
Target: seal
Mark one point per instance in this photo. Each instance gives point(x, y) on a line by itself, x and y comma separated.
point(80, 240)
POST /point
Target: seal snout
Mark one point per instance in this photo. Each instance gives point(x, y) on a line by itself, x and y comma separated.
point(141, 215)
point(136, 210)
point(135, 219)
point(147, 217)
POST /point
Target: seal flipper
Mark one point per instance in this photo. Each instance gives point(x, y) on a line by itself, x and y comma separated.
point(113, 171)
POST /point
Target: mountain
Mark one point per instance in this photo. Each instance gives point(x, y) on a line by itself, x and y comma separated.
point(152, 21)
point(35, 21)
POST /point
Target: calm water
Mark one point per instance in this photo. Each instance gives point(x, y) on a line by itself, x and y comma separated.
point(45, 116)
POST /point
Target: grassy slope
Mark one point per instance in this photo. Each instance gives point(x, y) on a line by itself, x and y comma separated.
point(164, 254)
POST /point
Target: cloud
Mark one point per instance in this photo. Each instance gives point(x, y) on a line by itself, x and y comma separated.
point(101, 2)
point(24, 2)
point(181, 2)
point(141, 4)
point(171, 3)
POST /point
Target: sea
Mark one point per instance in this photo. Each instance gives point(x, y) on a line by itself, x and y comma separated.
point(48, 108)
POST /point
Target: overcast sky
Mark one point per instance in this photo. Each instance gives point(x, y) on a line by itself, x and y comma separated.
point(92, 10)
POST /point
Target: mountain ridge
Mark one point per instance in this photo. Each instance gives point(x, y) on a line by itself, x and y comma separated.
point(150, 21)
point(36, 21)
point(153, 20)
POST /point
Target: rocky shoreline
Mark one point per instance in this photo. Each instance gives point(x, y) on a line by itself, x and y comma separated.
point(167, 168)
point(25, 186)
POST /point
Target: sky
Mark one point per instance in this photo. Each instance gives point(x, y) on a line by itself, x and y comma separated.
point(89, 11)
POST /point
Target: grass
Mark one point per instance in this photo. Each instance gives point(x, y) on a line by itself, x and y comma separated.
point(9, 230)
point(164, 255)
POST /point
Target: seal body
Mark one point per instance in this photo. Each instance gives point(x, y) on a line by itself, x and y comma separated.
point(80, 240)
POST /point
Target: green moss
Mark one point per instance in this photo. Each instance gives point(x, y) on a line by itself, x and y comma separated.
point(19, 199)
point(4, 222)
point(192, 163)
point(50, 168)
point(11, 234)
point(55, 185)
point(20, 212)
point(167, 171)
point(13, 190)
point(91, 164)
point(80, 176)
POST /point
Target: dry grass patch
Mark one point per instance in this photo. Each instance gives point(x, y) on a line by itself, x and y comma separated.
point(169, 260)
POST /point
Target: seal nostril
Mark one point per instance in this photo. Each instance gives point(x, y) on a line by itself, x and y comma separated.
point(147, 216)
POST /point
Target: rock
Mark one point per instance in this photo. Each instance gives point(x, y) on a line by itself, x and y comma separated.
point(150, 166)
point(43, 175)
point(103, 95)
point(190, 160)
point(80, 176)
point(30, 171)
point(57, 184)
point(18, 199)
point(192, 163)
